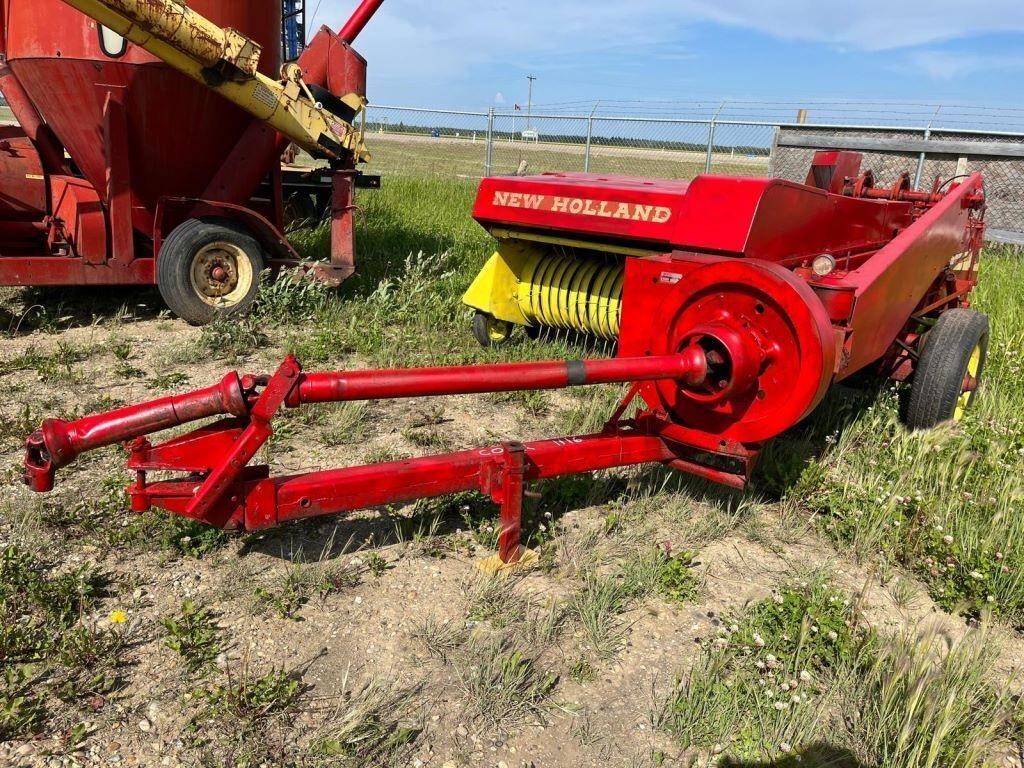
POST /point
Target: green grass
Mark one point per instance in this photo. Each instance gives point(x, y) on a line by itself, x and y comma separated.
point(193, 635)
point(405, 155)
point(798, 671)
point(763, 678)
point(49, 649)
point(949, 504)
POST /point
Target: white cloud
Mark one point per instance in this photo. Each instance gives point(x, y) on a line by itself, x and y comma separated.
point(413, 46)
point(872, 25)
point(553, 25)
point(944, 65)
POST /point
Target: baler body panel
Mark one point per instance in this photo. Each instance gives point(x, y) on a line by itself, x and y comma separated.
point(890, 286)
point(768, 219)
point(597, 207)
point(178, 132)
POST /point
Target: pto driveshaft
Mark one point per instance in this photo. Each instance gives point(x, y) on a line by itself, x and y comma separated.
point(58, 442)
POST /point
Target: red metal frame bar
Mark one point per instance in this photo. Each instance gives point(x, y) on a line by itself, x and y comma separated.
point(58, 443)
point(119, 191)
point(223, 490)
point(688, 367)
point(359, 19)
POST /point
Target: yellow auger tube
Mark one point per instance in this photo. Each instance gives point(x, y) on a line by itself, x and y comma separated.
point(534, 287)
point(194, 46)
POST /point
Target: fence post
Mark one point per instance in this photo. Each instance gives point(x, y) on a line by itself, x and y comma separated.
point(489, 149)
point(711, 138)
point(590, 138)
point(924, 156)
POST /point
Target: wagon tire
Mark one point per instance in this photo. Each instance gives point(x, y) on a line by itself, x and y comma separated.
point(950, 369)
point(209, 268)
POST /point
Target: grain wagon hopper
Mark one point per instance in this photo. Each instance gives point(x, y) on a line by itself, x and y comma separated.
point(150, 139)
point(742, 301)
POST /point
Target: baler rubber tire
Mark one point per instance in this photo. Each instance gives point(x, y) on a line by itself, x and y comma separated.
point(938, 382)
point(483, 325)
point(174, 268)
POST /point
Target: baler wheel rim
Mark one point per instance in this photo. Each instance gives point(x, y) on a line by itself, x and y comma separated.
point(949, 371)
point(489, 331)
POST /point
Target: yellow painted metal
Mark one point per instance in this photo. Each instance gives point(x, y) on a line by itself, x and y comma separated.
point(495, 289)
point(184, 29)
point(528, 285)
point(973, 370)
point(504, 234)
point(493, 565)
point(198, 48)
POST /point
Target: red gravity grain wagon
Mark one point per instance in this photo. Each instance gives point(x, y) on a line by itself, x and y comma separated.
point(736, 303)
point(131, 167)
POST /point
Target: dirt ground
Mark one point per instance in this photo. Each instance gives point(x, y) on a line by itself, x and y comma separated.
point(377, 630)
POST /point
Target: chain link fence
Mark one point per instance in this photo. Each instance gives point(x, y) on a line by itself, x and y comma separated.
point(471, 145)
point(476, 144)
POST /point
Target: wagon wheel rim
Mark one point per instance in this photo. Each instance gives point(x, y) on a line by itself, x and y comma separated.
point(970, 383)
point(222, 274)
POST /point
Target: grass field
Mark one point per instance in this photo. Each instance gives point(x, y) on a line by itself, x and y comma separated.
point(860, 606)
point(405, 154)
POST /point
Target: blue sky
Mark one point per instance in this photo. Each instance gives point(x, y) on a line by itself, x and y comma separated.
point(472, 54)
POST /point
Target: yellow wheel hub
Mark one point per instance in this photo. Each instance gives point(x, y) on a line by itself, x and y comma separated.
point(222, 274)
point(498, 330)
point(970, 384)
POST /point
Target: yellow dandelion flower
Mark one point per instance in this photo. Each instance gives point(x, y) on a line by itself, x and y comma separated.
point(118, 617)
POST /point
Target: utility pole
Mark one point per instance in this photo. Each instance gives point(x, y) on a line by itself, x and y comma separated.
point(529, 104)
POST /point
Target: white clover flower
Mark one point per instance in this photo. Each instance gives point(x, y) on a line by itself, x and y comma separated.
point(758, 641)
point(833, 636)
point(782, 706)
point(805, 676)
point(785, 747)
